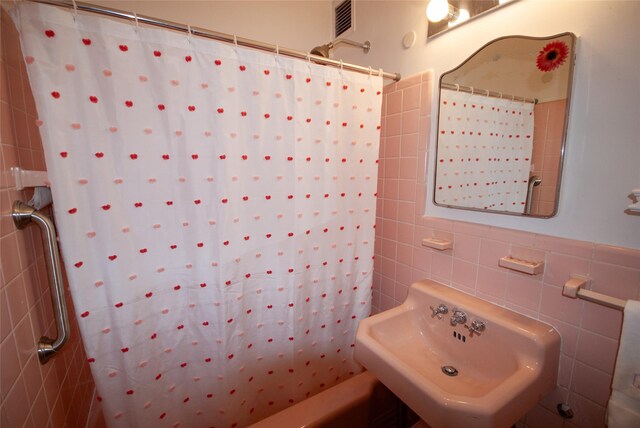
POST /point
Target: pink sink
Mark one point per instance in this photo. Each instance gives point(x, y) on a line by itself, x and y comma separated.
point(454, 378)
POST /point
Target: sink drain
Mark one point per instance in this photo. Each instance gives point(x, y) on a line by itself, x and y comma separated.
point(450, 370)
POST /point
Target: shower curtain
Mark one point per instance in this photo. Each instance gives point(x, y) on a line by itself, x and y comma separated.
point(215, 207)
point(484, 151)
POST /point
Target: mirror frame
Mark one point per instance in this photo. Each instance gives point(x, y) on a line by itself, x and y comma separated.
point(571, 60)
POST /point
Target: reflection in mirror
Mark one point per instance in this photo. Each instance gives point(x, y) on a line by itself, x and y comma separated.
point(502, 125)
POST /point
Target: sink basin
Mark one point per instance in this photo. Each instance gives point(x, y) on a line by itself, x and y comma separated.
point(493, 377)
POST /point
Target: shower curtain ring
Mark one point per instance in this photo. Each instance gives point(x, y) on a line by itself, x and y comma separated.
point(189, 33)
point(471, 90)
point(380, 72)
point(309, 61)
point(370, 71)
point(457, 87)
point(75, 9)
point(135, 18)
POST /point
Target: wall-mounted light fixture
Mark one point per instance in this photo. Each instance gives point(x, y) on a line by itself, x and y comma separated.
point(444, 15)
point(438, 10)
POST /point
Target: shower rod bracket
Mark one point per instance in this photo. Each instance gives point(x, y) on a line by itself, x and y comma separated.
point(324, 50)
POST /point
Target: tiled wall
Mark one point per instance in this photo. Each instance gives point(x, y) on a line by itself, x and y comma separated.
point(59, 393)
point(547, 137)
point(590, 332)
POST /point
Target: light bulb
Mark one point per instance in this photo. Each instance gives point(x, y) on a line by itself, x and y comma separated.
point(437, 10)
point(463, 15)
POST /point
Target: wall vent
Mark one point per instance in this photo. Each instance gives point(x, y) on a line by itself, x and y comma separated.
point(343, 16)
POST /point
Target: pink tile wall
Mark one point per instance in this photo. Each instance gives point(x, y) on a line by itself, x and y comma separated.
point(548, 135)
point(59, 393)
point(589, 332)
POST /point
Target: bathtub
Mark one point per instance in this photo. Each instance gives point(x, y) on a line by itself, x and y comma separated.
point(359, 402)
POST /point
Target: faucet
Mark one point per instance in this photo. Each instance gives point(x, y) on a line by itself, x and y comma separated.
point(458, 317)
point(439, 311)
point(477, 327)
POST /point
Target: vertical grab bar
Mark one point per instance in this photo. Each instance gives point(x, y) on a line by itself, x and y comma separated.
point(22, 215)
point(534, 181)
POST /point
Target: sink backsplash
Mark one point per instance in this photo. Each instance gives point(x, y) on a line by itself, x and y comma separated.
point(589, 332)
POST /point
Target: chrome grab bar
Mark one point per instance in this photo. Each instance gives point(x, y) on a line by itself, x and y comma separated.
point(534, 181)
point(23, 215)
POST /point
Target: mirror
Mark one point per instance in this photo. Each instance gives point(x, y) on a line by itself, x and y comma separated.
point(502, 124)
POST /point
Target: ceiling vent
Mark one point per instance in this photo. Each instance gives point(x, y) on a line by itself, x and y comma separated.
point(343, 16)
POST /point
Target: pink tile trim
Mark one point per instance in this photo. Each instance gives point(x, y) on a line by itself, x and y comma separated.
point(391, 87)
point(564, 246)
point(471, 229)
point(617, 281)
point(617, 255)
point(409, 81)
point(438, 223)
point(427, 76)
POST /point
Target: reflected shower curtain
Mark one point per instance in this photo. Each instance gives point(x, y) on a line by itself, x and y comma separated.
point(215, 207)
point(484, 152)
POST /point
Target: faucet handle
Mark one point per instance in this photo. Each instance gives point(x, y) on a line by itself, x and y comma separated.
point(477, 327)
point(439, 311)
point(458, 317)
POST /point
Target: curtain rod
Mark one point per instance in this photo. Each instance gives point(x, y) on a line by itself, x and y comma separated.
point(215, 35)
point(486, 92)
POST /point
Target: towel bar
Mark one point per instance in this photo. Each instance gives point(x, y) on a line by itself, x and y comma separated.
point(573, 289)
point(23, 215)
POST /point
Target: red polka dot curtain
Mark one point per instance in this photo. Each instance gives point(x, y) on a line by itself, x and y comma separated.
point(215, 207)
point(484, 152)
